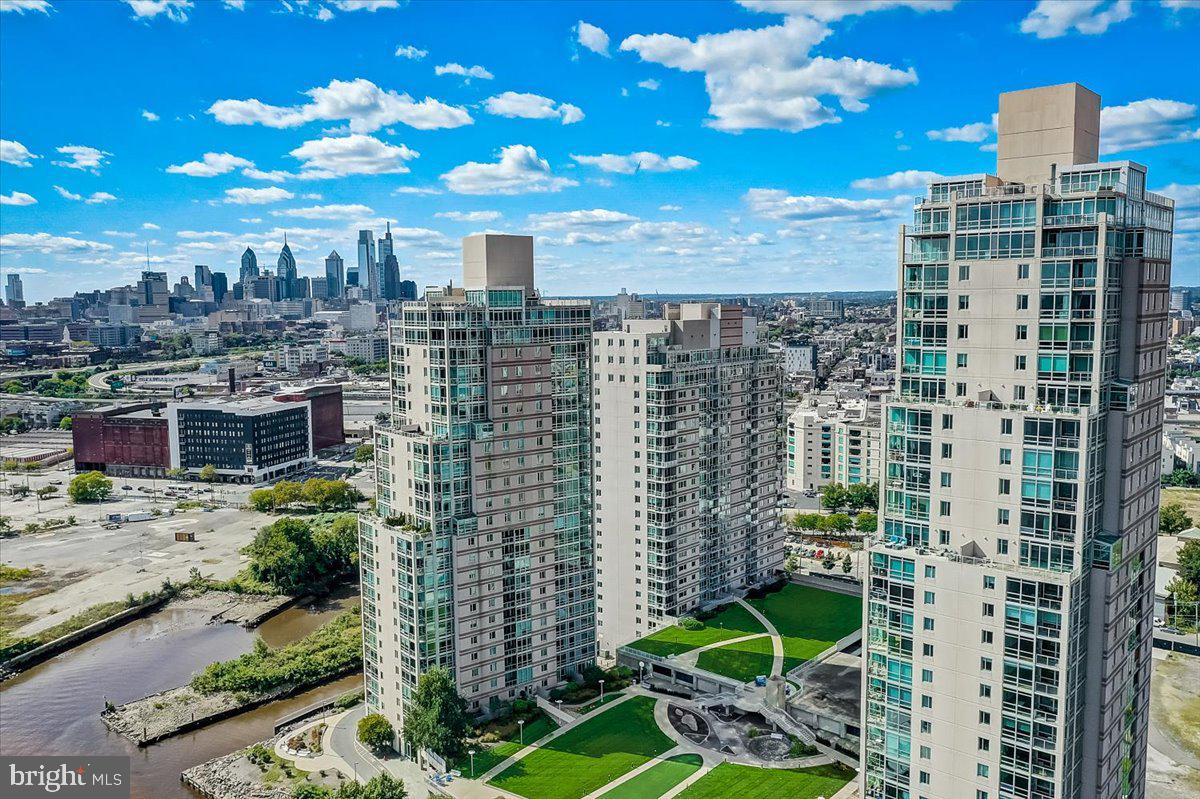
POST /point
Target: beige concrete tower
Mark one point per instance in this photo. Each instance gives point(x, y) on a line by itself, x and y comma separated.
point(1010, 594)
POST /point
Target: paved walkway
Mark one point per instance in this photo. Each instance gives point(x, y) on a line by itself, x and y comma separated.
point(690, 657)
point(776, 639)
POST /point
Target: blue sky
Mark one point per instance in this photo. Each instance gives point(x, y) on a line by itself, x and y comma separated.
point(710, 147)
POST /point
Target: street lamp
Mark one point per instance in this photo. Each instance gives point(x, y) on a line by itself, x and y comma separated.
point(472, 753)
point(641, 666)
point(558, 703)
point(602, 692)
point(521, 725)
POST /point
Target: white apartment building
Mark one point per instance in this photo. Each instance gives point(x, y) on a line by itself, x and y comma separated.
point(833, 442)
point(800, 358)
point(478, 556)
point(688, 465)
point(1007, 611)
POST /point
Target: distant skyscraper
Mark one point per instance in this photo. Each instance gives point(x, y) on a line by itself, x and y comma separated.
point(1011, 585)
point(220, 286)
point(286, 270)
point(368, 274)
point(203, 276)
point(15, 290)
point(249, 266)
point(334, 275)
point(391, 277)
point(385, 249)
point(408, 290)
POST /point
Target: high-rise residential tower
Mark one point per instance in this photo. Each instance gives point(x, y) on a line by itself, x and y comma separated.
point(335, 275)
point(688, 464)
point(368, 274)
point(1009, 601)
point(478, 556)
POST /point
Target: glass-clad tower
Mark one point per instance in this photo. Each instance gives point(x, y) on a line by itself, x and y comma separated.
point(1009, 602)
point(478, 556)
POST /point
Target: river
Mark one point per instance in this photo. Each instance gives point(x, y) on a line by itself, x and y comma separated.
point(54, 708)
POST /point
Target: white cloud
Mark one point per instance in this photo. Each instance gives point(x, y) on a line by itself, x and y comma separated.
point(464, 72)
point(1185, 195)
point(274, 175)
point(351, 155)
point(363, 104)
point(211, 165)
point(1050, 19)
point(767, 77)
point(17, 198)
point(778, 205)
point(565, 220)
point(21, 6)
point(649, 84)
point(833, 10)
point(662, 123)
point(519, 171)
point(245, 196)
point(670, 208)
point(974, 132)
point(66, 194)
point(908, 179)
point(150, 226)
point(417, 190)
point(100, 197)
point(120, 234)
point(469, 216)
point(592, 37)
point(410, 52)
point(364, 5)
point(234, 5)
point(149, 116)
point(327, 212)
point(174, 10)
point(82, 157)
point(1147, 123)
point(46, 243)
point(531, 106)
point(637, 162)
point(1180, 5)
point(15, 153)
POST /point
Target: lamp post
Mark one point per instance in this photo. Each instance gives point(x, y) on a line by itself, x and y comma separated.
point(602, 692)
point(641, 667)
point(558, 704)
point(521, 726)
point(472, 754)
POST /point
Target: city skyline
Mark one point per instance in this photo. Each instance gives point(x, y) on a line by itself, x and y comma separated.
point(645, 156)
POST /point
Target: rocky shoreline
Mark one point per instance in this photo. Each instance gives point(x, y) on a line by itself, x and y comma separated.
point(226, 607)
point(236, 776)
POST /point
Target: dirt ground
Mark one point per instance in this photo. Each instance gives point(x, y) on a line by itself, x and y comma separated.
point(1174, 759)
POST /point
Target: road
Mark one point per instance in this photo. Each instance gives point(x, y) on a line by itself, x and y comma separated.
point(98, 381)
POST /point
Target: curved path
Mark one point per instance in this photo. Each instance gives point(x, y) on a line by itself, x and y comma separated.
point(776, 639)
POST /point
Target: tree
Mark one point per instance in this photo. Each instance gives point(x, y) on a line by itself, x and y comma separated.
point(262, 500)
point(1188, 558)
point(381, 786)
point(283, 554)
point(828, 560)
point(437, 719)
point(847, 564)
point(90, 487)
point(866, 522)
point(834, 496)
point(838, 523)
point(176, 473)
point(308, 790)
point(375, 732)
point(14, 387)
point(1182, 478)
point(1172, 519)
point(808, 521)
point(1182, 601)
point(364, 453)
point(19, 490)
point(208, 473)
point(337, 544)
point(287, 492)
point(862, 495)
point(65, 423)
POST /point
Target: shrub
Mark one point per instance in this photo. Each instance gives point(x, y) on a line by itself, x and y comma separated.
point(690, 623)
point(90, 487)
point(376, 732)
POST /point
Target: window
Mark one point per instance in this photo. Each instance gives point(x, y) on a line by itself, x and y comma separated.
point(930, 572)
point(960, 389)
point(960, 360)
point(1001, 546)
point(1006, 427)
point(985, 717)
point(1005, 485)
point(981, 770)
point(985, 664)
point(944, 538)
point(1002, 516)
point(989, 582)
point(1022, 271)
point(924, 775)
point(947, 421)
point(927, 624)
point(929, 597)
point(926, 675)
point(926, 727)
point(964, 302)
point(1022, 332)
point(947, 450)
point(927, 650)
point(980, 794)
point(1005, 456)
point(985, 636)
point(985, 691)
point(1022, 302)
point(1019, 363)
point(943, 508)
point(1018, 392)
point(945, 479)
point(964, 271)
point(925, 752)
point(926, 701)
point(962, 331)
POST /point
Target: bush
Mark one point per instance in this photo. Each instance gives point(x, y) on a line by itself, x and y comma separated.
point(90, 487)
point(348, 700)
point(801, 749)
point(690, 623)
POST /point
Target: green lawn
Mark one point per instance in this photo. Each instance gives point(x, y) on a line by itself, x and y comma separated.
point(510, 743)
point(589, 756)
point(732, 622)
point(657, 780)
point(742, 661)
point(611, 696)
point(809, 620)
point(751, 782)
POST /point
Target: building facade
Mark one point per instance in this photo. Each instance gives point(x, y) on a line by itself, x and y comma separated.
point(833, 444)
point(478, 557)
point(1008, 606)
point(131, 440)
point(246, 441)
point(688, 466)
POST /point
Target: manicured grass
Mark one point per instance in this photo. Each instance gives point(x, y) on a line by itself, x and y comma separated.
point(589, 756)
point(536, 728)
point(733, 621)
point(611, 696)
point(742, 661)
point(751, 782)
point(657, 780)
point(809, 620)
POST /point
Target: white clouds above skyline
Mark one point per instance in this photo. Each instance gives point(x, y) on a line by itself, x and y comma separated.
point(464, 72)
point(17, 198)
point(410, 52)
point(174, 10)
point(518, 171)
point(21, 6)
point(592, 37)
point(532, 106)
point(247, 196)
point(637, 162)
point(365, 106)
point(1050, 19)
point(86, 158)
point(907, 179)
point(210, 165)
point(15, 153)
point(95, 198)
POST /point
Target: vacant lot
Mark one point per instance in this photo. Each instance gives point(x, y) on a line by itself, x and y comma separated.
point(750, 782)
point(733, 621)
point(1189, 498)
point(589, 756)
